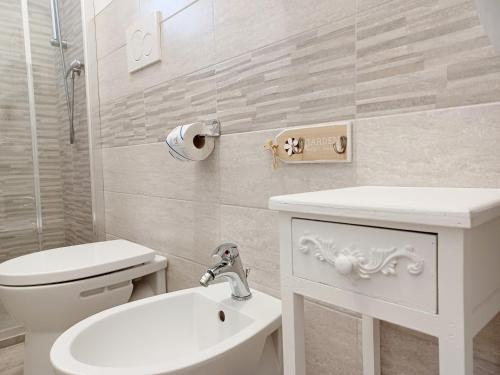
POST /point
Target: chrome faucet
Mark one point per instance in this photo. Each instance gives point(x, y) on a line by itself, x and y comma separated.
point(230, 267)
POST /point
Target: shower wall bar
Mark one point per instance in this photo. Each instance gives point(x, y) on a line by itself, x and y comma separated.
point(56, 32)
point(57, 42)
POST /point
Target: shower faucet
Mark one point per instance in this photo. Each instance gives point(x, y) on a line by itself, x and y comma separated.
point(76, 66)
point(231, 268)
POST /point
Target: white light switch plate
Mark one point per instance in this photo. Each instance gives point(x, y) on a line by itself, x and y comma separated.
point(143, 42)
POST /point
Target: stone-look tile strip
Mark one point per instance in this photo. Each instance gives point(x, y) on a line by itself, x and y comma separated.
point(304, 80)
point(420, 55)
point(262, 90)
point(403, 61)
point(123, 122)
point(241, 26)
point(180, 101)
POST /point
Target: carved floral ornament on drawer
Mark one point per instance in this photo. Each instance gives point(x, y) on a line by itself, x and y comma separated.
point(363, 264)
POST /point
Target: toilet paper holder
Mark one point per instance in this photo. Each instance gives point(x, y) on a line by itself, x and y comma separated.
point(210, 128)
point(193, 142)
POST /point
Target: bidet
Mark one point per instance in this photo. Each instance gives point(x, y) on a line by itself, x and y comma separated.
point(199, 331)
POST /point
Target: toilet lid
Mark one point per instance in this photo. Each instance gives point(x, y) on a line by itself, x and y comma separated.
point(73, 263)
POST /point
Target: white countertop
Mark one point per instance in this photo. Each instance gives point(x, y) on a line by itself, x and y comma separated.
point(449, 207)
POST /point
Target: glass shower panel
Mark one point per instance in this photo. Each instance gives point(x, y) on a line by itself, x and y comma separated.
point(45, 187)
point(18, 230)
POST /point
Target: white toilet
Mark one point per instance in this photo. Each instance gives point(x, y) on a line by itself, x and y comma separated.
point(49, 291)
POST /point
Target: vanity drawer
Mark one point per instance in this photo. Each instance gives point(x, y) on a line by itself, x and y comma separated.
point(392, 265)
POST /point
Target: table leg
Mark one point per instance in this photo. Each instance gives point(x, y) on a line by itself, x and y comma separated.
point(371, 345)
point(455, 354)
point(293, 333)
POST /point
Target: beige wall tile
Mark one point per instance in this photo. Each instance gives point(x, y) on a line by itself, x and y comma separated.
point(150, 170)
point(99, 5)
point(487, 348)
point(183, 273)
point(11, 360)
point(167, 8)
point(247, 177)
point(407, 352)
point(187, 45)
point(454, 147)
point(331, 342)
point(242, 26)
point(261, 66)
point(183, 228)
point(112, 23)
point(114, 79)
point(256, 233)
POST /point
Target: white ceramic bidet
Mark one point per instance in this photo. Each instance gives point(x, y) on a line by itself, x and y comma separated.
point(199, 331)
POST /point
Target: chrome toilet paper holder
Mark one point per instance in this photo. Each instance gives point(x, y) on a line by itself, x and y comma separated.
point(210, 128)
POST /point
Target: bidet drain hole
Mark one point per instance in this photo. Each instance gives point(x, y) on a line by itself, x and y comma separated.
point(222, 316)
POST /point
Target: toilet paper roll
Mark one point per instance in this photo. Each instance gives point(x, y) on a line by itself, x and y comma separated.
point(186, 144)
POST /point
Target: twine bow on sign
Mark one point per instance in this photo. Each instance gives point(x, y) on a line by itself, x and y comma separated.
point(274, 151)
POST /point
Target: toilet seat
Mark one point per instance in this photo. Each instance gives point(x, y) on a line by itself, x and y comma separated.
point(73, 263)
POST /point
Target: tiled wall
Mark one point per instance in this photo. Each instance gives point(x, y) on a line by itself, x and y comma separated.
point(48, 124)
point(17, 203)
point(418, 78)
point(64, 170)
point(78, 224)
point(17, 209)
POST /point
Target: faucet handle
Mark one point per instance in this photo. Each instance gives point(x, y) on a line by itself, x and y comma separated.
point(226, 251)
point(247, 272)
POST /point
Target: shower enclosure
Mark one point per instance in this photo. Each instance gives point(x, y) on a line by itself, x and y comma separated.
point(45, 185)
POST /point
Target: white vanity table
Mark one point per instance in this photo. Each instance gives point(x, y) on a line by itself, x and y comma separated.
point(423, 258)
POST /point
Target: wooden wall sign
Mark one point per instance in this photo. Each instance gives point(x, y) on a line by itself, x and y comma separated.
point(324, 143)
